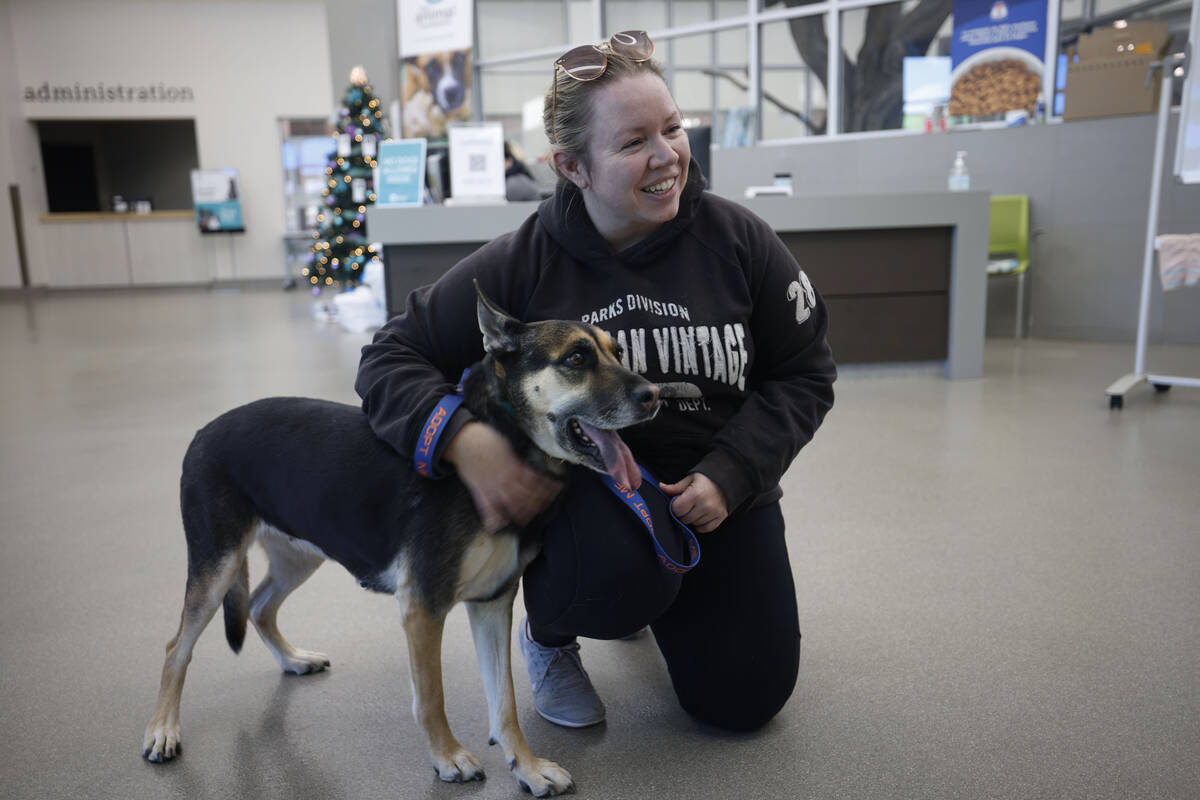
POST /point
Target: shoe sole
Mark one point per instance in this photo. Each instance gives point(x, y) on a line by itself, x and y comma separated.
point(567, 723)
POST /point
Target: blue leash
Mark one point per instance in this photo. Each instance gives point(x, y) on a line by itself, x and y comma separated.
point(423, 457)
point(637, 504)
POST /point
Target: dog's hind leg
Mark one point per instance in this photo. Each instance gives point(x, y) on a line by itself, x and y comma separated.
point(491, 628)
point(290, 564)
point(203, 597)
point(452, 761)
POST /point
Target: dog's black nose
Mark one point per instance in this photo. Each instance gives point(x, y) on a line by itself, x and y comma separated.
point(647, 395)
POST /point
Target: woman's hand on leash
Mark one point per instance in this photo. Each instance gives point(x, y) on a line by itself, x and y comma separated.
point(699, 503)
point(505, 489)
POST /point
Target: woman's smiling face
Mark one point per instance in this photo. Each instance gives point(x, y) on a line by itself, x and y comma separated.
point(637, 159)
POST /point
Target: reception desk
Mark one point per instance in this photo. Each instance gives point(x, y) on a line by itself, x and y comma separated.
point(98, 249)
point(904, 275)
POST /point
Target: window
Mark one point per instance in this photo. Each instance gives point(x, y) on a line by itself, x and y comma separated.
point(709, 76)
point(1078, 15)
point(506, 27)
point(632, 15)
point(878, 41)
point(794, 100)
point(513, 95)
point(755, 70)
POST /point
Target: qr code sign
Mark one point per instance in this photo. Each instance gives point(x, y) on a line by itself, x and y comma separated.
point(478, 162)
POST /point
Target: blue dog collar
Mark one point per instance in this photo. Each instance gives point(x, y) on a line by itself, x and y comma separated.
point(423, 455)
point(434, 425)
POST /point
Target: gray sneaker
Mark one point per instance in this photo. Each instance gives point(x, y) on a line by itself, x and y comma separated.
point(562, 691)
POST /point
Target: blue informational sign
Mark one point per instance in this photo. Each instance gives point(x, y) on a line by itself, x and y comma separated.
point(400, 176)
point(217, 197)
point(997, 57)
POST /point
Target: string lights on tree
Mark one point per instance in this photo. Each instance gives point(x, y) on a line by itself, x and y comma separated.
point(340, 249)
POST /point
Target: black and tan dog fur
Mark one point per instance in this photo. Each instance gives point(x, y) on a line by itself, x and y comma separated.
point(247, 477)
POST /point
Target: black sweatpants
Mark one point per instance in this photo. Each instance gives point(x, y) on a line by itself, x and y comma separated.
point(729, 629)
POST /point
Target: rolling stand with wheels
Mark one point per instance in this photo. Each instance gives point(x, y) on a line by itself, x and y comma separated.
point(1161, 383)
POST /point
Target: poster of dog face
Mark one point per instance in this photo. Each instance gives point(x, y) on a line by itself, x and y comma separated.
point(437, 90)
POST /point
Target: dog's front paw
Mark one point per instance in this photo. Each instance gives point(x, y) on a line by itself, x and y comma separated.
point(542, 778)
point(161, 743)
point(458, 766)
point(304, 662)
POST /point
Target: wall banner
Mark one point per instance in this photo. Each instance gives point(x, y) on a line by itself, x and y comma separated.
point(997, 58)
point(217, 197)
point(437, 92)
point(436, 38)
point(428, 26)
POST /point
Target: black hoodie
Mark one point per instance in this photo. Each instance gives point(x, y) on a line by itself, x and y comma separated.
point(711, 306)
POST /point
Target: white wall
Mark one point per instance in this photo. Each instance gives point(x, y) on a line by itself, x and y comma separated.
point(10, 274)
point(247, 63)
point(363, 32)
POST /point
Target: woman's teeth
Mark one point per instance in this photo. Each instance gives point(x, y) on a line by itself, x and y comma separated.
point(659, 188)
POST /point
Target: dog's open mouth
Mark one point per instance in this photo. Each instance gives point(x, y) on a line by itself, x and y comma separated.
point(605, 451)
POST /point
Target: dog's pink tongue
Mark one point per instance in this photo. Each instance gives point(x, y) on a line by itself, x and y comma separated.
point(617, 459)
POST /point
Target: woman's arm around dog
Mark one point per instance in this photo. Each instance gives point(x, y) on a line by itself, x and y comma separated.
point(413, 362)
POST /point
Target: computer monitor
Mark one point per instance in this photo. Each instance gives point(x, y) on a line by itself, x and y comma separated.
point(700, 139)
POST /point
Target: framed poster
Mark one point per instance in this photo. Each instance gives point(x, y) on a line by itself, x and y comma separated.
point(400, 176)
point(997, 54)
point(437, 93)
point(217, 198)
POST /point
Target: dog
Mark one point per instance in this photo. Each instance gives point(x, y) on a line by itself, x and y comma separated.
point(436, 92)
point(557, 390)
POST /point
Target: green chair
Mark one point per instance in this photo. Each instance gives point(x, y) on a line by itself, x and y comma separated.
point(1008, 243)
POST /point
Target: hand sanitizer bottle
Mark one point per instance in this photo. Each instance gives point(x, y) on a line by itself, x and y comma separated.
point(960, 179)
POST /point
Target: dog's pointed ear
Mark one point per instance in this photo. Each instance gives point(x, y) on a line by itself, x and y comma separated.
point(501, 333)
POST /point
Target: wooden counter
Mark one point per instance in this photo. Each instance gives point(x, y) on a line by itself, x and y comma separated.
point(112, 216)
point(100, 249)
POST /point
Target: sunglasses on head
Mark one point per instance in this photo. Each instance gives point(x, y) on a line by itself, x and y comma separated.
point(588, 62)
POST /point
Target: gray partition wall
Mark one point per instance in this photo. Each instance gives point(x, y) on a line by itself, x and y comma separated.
point(1088, 184)
point(903, 274)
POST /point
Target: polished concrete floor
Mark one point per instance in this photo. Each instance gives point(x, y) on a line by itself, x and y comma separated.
point(999, 584)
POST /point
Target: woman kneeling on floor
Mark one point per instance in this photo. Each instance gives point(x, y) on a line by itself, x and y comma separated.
point(707, 302)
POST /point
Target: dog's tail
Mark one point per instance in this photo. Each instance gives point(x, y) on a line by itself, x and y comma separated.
point(237, 607)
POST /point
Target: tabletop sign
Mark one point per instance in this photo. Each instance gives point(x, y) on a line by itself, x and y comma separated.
point(400, 176)
point(477, 162)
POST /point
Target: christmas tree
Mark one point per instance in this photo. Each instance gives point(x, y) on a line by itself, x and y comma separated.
point(341, 249)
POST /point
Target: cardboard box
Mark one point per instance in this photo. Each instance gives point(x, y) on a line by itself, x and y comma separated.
point(1109, 77)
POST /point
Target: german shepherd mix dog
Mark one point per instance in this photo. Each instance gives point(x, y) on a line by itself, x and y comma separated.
point(557, 391)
